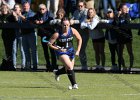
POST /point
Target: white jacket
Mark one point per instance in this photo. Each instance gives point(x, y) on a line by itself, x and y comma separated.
point(94, 32)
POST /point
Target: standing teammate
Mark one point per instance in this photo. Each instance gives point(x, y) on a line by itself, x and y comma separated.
point(65, 52)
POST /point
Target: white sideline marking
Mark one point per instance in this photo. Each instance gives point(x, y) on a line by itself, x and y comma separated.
point(81, 95)
point(131, 94)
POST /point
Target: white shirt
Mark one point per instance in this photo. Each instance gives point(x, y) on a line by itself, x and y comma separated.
point(11, 3)
point(93, 31)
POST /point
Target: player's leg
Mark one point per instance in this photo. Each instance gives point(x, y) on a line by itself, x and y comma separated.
point(68, 63)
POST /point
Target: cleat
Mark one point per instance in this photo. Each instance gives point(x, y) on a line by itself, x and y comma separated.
point(70, 87)
point(75, 86)
point(56, 76)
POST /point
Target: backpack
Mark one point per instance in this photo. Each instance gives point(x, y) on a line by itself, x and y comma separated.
point(134, 10)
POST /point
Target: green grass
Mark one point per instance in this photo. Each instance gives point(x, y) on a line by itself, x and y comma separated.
point(42, 86)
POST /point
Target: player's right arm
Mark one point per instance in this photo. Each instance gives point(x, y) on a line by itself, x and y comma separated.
point(52, 43)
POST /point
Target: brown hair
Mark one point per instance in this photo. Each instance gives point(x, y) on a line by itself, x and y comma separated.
point(18, 5)
point(89, 10)
point(60, 10)
point(5, 5)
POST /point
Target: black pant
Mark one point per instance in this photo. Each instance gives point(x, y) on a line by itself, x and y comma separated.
point(47, 55)
point(69, 6)
point(8, 39)
point(113, 50)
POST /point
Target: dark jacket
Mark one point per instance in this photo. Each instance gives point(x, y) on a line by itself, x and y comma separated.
point(111, 31)
point(44, 29)
point(28, 16)
point(124, 34)
point(8, 32)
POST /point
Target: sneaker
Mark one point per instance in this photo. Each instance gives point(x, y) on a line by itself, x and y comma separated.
point(99, 68)
point(102, 69)
point(75, 86)
point(114, 68)
point(124, 69)
point(56, 76)
point(27, 69)
point(84, 68)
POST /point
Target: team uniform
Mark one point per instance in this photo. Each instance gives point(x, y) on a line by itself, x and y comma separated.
point(66, 42)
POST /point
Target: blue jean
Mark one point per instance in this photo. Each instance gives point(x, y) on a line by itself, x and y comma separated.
point(18, 43)
point(30, 49)
point(83, 57)
point(22, 1)
point(69, 6)
point(52, 6)
point(106, 3)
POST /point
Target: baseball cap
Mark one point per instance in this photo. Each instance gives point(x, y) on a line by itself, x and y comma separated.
point(109, 10)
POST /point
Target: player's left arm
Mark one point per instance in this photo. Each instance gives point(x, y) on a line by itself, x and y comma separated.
point(79, 40)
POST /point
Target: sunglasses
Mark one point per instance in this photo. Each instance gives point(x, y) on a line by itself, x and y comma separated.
point(41, 9)
point(80, 5)
point(109, 12)
point(65, 25)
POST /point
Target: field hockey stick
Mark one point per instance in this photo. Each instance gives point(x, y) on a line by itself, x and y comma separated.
point(44, 40)
point(62, 49)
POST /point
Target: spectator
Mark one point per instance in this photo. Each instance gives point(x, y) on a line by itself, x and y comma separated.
point(69, 6)
point(8, 35)
point(18, 40)
point(125, 36)
point(111, 37)
point(60, 14)
point(89, 3)
point(79, 16)
point(2, 2)
point(65, 50)
point(23, 1)
point(107, 3)
point(9, 3)
point(43, 18)
point(18, 1)
point(97, 36)
point(61, 4)
point(29, 39)
point(52, 6)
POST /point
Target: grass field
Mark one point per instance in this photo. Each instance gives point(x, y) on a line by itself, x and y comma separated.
point(42, 86)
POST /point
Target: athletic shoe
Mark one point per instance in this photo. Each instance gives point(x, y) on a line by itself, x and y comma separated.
point(56, 76)
point(125, 69)
point(75, 86)
point(84, 68)
point(99, 68)
point(114, 68)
